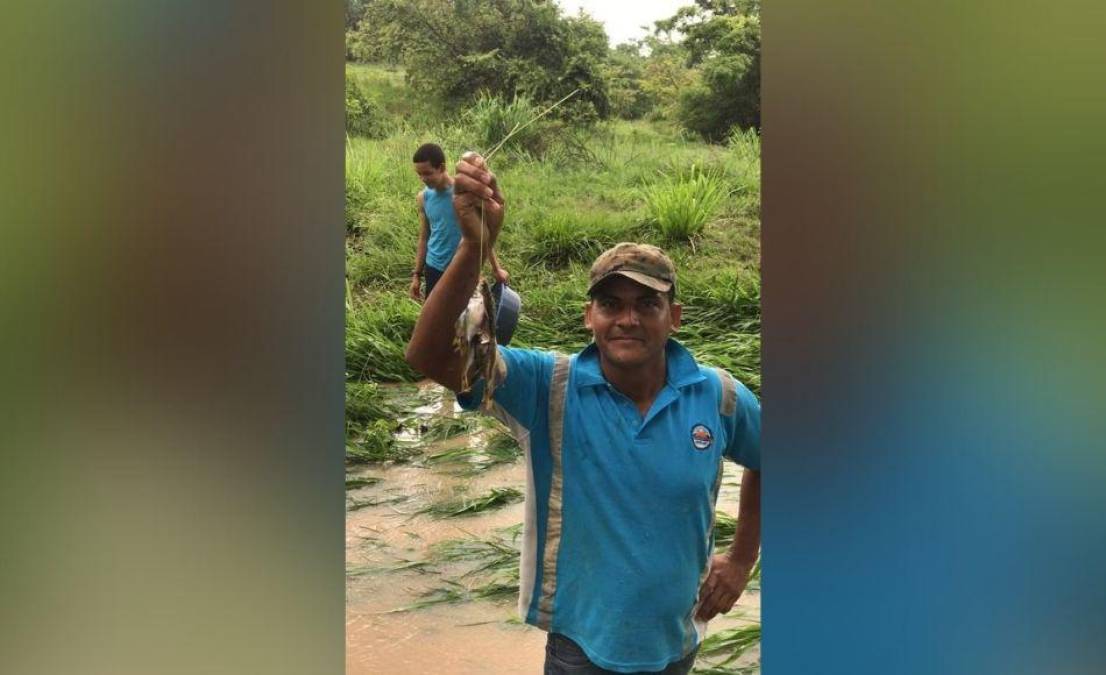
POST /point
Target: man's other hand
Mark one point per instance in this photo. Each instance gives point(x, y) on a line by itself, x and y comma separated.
point(724, 585)
point(415, 291)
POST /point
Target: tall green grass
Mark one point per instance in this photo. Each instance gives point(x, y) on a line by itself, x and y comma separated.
point(680, 206)
point(745, 147)
point(492, 120)
point(566, 237)
point(377, 332)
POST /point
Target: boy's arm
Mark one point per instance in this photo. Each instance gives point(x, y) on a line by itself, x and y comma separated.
point(430, 350)
point(420, 253)
point(497, 269)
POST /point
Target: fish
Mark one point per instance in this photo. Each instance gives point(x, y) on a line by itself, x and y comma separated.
point(474, 342)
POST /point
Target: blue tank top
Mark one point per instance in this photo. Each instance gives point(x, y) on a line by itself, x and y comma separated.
point(445, 232)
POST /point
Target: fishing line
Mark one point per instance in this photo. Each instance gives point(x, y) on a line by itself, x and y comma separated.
point(517, 128)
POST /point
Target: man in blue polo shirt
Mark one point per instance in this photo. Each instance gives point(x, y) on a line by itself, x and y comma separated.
point(624, 443)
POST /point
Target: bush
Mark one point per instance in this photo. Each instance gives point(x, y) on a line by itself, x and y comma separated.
point(509, 47)
point(493, 120)
point(364, 117)
point(681, 205)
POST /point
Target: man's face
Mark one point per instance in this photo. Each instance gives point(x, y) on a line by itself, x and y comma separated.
point(433, 178)
point(630, 322)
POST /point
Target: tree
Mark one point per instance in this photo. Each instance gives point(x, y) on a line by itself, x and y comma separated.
point(453, 49)
point(722, 40)
point(625, 71)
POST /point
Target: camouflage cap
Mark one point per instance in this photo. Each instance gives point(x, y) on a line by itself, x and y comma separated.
point(645, 264)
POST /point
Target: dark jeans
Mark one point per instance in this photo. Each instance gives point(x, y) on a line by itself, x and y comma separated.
point(433, 276)
point(564, 657)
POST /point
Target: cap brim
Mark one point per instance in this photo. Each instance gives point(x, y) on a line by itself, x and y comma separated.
point(643, 279)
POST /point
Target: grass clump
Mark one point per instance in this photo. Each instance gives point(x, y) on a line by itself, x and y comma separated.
point(494, 119)
point(375, 443)
point(356, 482)
point(500, 447)
point(680, 206)
point(366, 403)
point(377, 332)
point(444, 428)
point(745, 147)
point(468, 506)
point(493, 575)
point(721, 649)
point(355, 504)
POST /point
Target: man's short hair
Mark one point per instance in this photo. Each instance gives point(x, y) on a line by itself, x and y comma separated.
point(432, 153)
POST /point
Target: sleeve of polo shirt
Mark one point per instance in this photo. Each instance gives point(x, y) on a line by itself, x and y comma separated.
point(744, 430)
point(524, 391)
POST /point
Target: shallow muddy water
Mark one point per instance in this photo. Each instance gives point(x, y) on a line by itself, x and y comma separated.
point(386, 531)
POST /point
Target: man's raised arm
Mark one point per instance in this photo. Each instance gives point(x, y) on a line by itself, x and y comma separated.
point(430, 350)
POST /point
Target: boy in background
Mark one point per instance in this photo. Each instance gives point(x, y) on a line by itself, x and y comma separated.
point(439, 233)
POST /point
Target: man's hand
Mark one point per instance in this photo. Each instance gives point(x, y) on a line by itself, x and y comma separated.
point(724, 585)
point(476, 194)
point(415, 291)
point(501, 276)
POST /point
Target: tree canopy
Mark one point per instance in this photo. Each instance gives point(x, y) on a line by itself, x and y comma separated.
point(699, 67)
point(722, 40)
point(454, 49)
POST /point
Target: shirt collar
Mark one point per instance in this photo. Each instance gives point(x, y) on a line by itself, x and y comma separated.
point(681, 367)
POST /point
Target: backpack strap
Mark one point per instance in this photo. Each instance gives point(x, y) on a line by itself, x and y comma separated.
point(728, 405)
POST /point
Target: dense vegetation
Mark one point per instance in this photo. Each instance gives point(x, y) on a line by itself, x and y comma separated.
point(699, 68)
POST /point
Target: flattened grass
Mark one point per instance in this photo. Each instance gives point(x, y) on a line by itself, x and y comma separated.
point(719, 650)
point(470, 506)
point(500, 447)
point(492, 573)
point(377, 332)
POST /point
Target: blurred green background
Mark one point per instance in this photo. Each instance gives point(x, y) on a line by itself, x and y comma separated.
point(932, 326)
point(171, 193)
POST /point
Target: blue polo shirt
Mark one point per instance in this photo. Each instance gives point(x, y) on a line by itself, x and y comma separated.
point(619, 506)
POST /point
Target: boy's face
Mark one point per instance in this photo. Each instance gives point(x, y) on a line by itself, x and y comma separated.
point(433, 177)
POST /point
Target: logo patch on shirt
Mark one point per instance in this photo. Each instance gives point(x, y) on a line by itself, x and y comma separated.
point(701, 437)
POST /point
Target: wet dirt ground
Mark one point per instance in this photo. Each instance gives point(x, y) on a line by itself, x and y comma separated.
point(385, 531)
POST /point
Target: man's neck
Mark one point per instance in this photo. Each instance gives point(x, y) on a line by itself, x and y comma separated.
point(640, 384)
